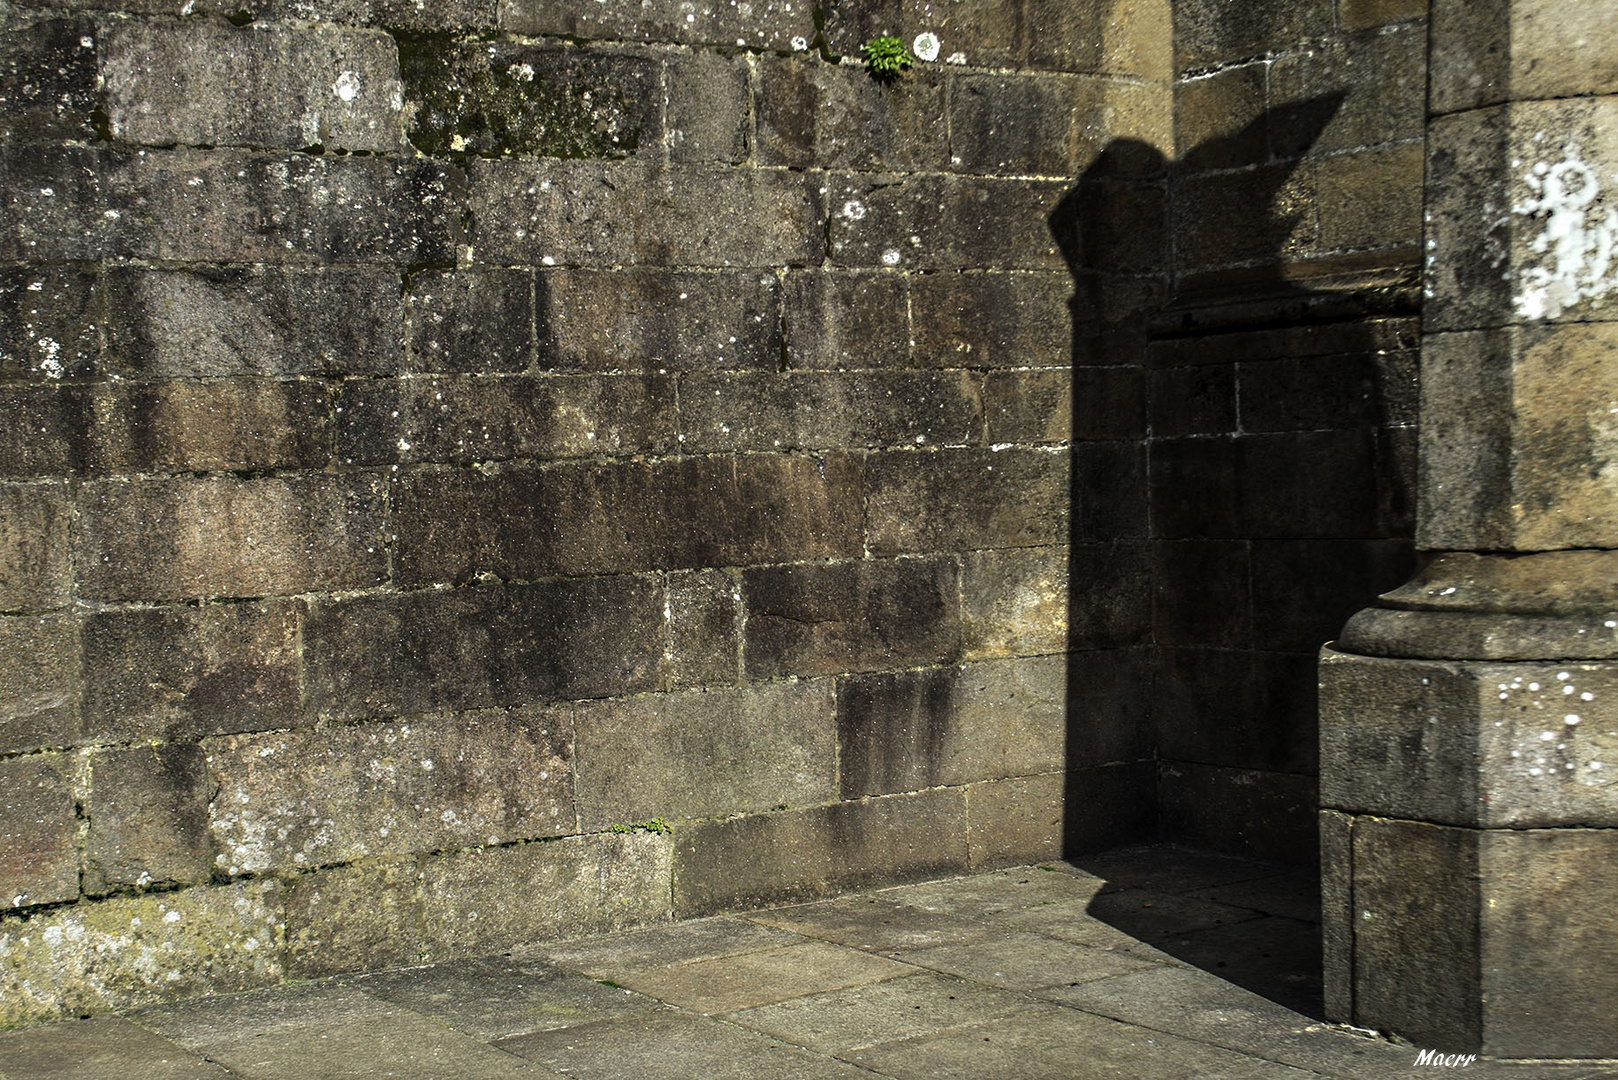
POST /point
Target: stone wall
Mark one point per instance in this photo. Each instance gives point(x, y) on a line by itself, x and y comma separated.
point(444, 441)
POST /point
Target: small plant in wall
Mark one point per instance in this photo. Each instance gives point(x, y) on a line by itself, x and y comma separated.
point(886, 57)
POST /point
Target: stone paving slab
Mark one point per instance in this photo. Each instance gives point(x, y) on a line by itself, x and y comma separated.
point(1176, 965)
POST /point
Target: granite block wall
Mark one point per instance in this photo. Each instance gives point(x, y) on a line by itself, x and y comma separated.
point(447, 446)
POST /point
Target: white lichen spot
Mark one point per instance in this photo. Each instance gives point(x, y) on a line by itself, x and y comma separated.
point(1547, 736)
point(925, 46)
point(1571, 718)
point(800, 45)
point(1577, 238)
point(50, 364)
point(854, 210)
point(347, 86)
point(891, 257)
point(956, 58)
point(521, 72)
point(172, 917)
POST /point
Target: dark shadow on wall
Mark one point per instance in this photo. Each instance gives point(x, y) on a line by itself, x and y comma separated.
point(1242, 476)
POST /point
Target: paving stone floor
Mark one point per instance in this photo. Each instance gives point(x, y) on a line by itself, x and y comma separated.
point(1141, 964)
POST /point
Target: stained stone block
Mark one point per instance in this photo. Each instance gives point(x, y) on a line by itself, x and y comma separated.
point(818, 411)
point(759, 859)
point(1001, 499)
point(1208, 32)
point(1032, 406)
point(1014, 602)
point(1525, 745)
point(1550, 51)
point(658, 320)
point(427, 651)
point(353, 918)
point(1526, 411)
point(317, 85)
point(704, 637)
point(48, 81)
point(827, 618)
point(1370, 199)
point(148, 810)
point(1385, 109)
point(213, 322)
point(992, 320)
point(527, 212)
point(708, 109)
point(34, 550)
point(478, 902)
point(1024, 125)
point(499, 97)
point(624, 517)
point(465, 420)
point(943, 222)
point(1359, 14)
point(110, 204)
point(239, 425)
point(49, 319)
point(38, 831)
point(705, 753)
point(39, 682)
point(1524, 904)
point(815, 115)
point(837, 319)
point(1493, 241)
point(1014, 822)
point(181, 539)
point(132, 951)
point(297, 799)
point(771, 25)
point(187, 672)
point(473, 321)
point(1253, 813)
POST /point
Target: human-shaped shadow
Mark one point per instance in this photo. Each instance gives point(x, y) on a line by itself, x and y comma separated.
point(1241, 484)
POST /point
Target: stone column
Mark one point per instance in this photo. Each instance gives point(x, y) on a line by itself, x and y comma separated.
point(1469, 723)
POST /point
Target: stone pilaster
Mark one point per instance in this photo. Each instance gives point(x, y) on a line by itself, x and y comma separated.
point(1469, 722)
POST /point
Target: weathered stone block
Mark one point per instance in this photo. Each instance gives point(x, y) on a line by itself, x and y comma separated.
point(760, 859)
point(657, 320)
point(471, 648)
point(1047, 125)
point(1525, 411)
point(138, 950)
point(613, 518)
point(1111, 695)
point(822, 411)
point(1131, 38)
point(1254, 215)
point(1109, 403)
point(148, 811)
point(1337, 913)
point(985, 32)
point(706, 753)
point(1199, 400)
point(1371, 199)
point(316, 85)
point(297, 799)
point(1029, 406)
point(468, 419)
point(477, 902)
point(1210, 32)
point(1125, 807)
point(243, 424)
point(704, 646)
point(1110, 595)
point(1014, 602)
point(49, 318)
point(39, 682)
point(691, 215)
point(1305, 590)
point(772, 25)
point(827, 618)
point(1115, 486)
point(1219, 117)
point(182, 673)
point(48, 81)
point(1359, 14)
point(1388, 108)
point(1202, 593)
point(35, 570)
point(847, 320)
point(39, 830)
point(353, 918)
point(920, 729)
point(1494, 51)
point(943, 222)
point(180, 539)
point(815, 115)
point(502, 97)
point(1236, 708)
point(707, 108)
point(992, 319)
point(1014, 822)
point(474, 321)
point(1485, 745)
point(259, 321)
point(1311, 483)
point(1251, 813)
point(965, 498)
point(197, 205)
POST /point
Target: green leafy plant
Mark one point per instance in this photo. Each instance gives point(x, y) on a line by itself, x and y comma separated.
point(886, 57)
point(654, 825)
